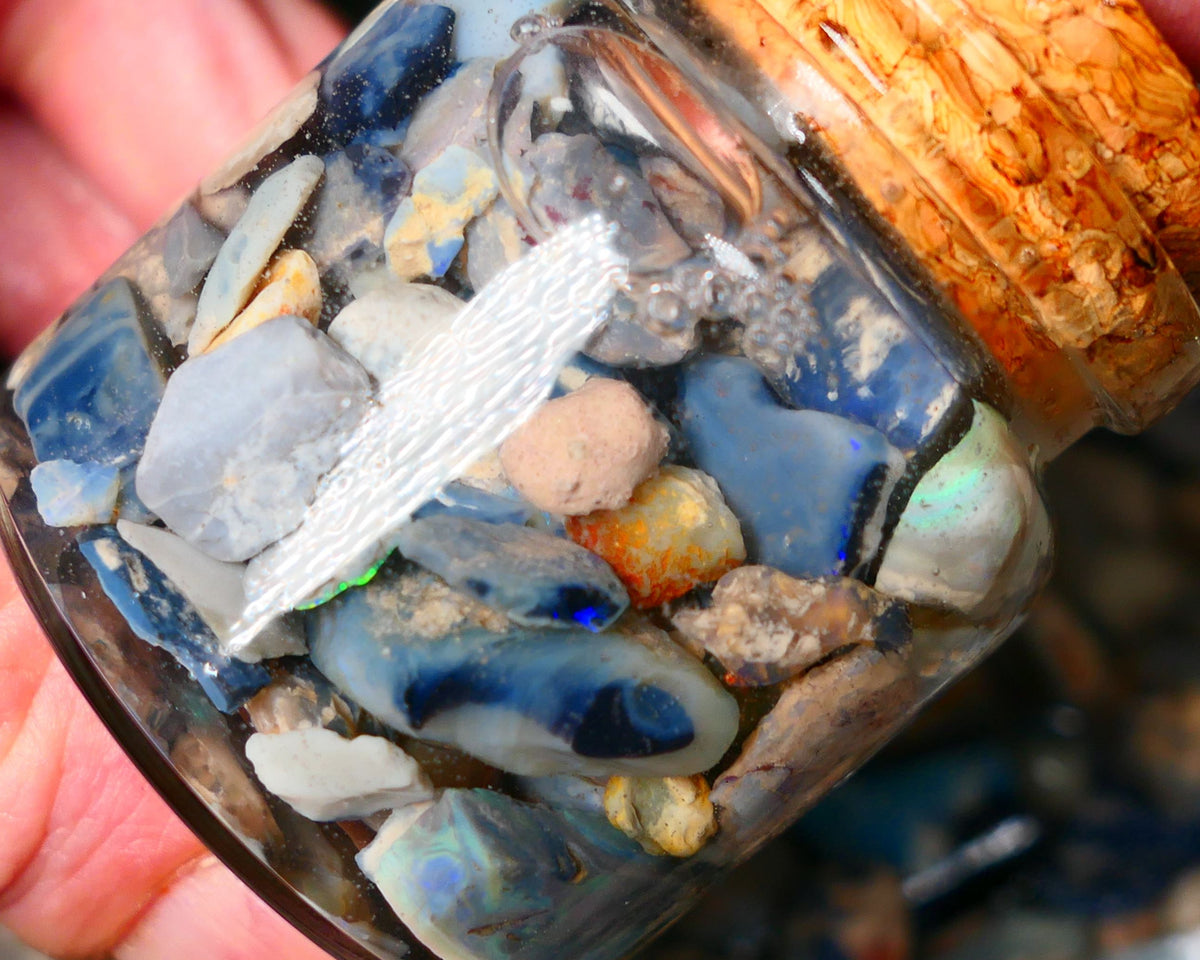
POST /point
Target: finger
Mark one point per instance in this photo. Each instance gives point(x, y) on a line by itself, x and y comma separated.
point(57, 231)
point(1177, 21)
point(91, 859)
point(147, 97)
point(182, 924)
point(85, 844)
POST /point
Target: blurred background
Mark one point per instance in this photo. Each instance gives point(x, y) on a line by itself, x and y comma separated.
point(1048, 806)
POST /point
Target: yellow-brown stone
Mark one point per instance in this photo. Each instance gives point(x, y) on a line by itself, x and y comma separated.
point(290, 286)
point(668, 816)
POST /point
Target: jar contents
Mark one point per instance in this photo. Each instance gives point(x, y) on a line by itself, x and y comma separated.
point(537, 493)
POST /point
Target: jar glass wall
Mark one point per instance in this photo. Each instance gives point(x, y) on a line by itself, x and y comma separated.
point(535, 469)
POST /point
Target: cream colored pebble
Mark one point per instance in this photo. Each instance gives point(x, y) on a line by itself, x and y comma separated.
point(291, 285)
point(668, 816)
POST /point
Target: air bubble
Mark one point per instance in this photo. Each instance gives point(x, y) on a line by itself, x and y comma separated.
point(529, 27)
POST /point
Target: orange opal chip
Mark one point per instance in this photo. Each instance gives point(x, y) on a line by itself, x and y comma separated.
point(675, 534)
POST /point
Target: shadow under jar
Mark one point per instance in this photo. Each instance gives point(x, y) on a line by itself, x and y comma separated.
point(565, 441)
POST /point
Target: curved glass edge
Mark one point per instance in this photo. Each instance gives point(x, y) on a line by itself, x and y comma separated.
point(158, 770)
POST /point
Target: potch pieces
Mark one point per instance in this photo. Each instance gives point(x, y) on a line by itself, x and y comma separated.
point(545, 470)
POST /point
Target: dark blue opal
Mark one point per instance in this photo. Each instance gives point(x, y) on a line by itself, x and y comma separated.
point(363, 186)
point(869, 366)
point(535, 578)
point(809, 488)
point(93, 393)
point(379, 80)
point(529, 701)
point(159, 614)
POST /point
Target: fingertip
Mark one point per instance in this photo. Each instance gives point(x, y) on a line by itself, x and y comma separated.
point(208, 914)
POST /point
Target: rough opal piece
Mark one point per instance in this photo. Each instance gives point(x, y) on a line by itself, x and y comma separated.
point(811, 489)
point(326, 776)
point(859, 359)
point(765, 627)
point(384, 327)
point(462, 500)
point(824, 724)
point(190, 245)
point(363, 186)
point(251, 426)
point(528, 701)
point(973, 514)
point(426, 233)
point(290, 287)
point(576, 175)
point(70, 494)
point(92, 393)
point(453, 114)
point(478, 874)
point(667, 816)
point(674, 534)
point(534, 578)
point(213, 587)
point(249, 247)
point(377, 80)
point(160, 614)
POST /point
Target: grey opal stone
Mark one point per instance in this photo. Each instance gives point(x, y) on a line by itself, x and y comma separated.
point(244, 433)
point(576, 175)
point(190, 245)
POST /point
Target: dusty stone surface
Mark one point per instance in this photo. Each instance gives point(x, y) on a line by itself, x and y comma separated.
point(586, 451)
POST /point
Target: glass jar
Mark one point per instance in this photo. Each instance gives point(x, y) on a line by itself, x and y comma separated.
point(566, 441)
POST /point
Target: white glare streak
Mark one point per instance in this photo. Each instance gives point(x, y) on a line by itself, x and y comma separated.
point(457, 399)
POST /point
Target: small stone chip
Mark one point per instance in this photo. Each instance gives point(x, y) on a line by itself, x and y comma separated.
point(675, 534)
point(290, 287)
point(765, 627)
point(668, 816)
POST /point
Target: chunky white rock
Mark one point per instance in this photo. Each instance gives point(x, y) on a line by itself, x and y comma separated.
point(586, 451)
point(213, 587)
point(250, 245)
point(325, 776)
point(244, 433)
point(388, 324)
point(975, 529)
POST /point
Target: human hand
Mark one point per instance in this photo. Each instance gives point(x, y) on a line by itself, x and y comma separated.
point(113, 109)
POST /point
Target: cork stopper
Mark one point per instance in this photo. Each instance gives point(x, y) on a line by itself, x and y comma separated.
point(1041, 159)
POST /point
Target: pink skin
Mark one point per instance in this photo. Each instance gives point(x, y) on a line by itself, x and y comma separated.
point(113, 109)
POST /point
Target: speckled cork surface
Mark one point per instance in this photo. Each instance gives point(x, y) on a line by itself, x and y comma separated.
point(1037, 160)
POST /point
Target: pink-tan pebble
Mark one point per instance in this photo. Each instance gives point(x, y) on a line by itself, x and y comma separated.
point(586, 451)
